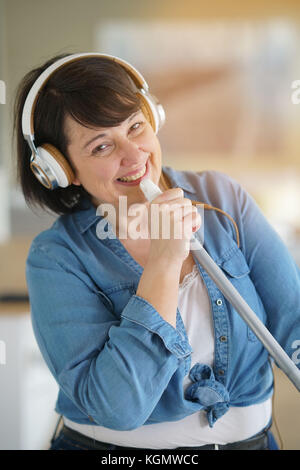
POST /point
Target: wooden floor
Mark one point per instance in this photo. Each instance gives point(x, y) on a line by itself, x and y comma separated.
point(286, 412)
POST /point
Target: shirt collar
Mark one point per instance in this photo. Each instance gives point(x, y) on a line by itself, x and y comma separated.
point(87, 216)
point(179, 179)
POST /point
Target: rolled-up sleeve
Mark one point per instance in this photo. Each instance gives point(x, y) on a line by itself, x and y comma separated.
point(113, 369)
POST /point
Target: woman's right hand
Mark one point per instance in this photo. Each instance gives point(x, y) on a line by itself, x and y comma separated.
point(172, 221)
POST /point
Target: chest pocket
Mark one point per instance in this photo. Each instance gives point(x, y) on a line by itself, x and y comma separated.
point(237, 270)
point(234, 264)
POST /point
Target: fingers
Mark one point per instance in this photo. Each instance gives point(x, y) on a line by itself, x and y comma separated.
point(172, 199)
point(191, 221)
point(197, 221)
point(169, 195)
point(173, 221)
point(173, 207)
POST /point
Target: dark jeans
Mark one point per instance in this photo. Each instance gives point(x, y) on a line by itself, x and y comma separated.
point(64, 442)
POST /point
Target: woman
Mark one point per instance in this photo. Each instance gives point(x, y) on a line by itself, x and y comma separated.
point(145, 349)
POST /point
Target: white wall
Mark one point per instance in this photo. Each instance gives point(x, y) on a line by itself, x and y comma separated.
point(28, 390)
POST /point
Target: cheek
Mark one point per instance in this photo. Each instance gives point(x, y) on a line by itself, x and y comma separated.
point(157, 150)
point(150, 142)
point(100, 171)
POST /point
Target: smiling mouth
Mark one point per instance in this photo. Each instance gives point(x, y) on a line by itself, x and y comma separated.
point(136, 177)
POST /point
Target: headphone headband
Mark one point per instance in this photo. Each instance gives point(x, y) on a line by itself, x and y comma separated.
point(29, 106)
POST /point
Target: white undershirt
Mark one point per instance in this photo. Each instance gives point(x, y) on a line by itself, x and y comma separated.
point(237, 424)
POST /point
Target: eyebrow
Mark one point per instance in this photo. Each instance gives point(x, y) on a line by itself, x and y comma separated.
point(104, 134)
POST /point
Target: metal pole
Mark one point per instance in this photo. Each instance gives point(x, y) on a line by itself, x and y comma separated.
point(258, 328)
point(281, 358)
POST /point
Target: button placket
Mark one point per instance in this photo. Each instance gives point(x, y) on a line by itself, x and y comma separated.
point(221, 343)
point(220, 320)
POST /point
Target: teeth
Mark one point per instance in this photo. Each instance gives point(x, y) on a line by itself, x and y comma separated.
point(134, 177)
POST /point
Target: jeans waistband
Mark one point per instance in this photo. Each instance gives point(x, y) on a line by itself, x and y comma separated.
point(257, 442)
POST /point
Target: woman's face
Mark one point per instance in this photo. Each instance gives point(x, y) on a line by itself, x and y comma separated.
point(100, 157)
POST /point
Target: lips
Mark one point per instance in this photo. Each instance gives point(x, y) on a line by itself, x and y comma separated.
point(134, 178)
point(134, 172)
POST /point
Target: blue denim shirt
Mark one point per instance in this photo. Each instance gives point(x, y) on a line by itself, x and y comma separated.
point(117, 362)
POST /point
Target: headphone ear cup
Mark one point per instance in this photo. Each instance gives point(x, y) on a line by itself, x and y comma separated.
point(146, 110)
point(152, 110)
point(57, 163)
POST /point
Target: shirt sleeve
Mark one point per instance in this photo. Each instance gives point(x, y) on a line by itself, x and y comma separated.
point(273, 272)
point(113, 369)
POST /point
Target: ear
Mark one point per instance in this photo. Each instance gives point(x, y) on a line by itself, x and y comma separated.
point(76, 181)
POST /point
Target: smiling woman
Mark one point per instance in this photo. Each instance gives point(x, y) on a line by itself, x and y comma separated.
point(145, 349)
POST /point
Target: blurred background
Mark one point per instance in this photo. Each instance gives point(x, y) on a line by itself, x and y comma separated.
point(224, 71)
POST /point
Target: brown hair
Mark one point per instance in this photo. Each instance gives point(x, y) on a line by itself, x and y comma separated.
point(96, 92)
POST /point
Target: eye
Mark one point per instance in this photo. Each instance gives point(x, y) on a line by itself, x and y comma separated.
point(137, 126)
point(100, 149)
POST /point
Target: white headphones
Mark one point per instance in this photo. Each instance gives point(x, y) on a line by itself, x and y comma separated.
point(48, 164)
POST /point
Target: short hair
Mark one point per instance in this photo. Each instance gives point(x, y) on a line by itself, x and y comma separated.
point(94, 91)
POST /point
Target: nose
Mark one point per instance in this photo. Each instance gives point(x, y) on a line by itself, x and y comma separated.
point(130, 153)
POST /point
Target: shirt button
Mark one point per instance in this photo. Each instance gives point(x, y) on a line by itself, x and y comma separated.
point(221, 372)
point(219, 302)
point(223, 339)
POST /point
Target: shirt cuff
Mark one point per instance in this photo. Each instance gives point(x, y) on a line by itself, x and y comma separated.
point(141, 312)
